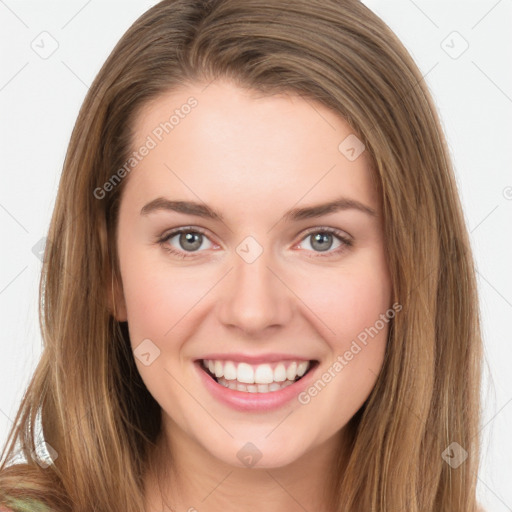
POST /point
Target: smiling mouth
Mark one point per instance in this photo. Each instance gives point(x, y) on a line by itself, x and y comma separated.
point(265, 383)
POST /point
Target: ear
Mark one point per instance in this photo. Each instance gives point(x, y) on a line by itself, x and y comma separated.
point(115, 299)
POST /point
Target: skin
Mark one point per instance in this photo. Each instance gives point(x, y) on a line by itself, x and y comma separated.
point(252, 158)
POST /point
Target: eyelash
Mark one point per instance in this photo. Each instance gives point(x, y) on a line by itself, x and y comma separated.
point(347, 243)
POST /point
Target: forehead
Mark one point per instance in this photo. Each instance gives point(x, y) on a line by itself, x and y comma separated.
point(218, 141)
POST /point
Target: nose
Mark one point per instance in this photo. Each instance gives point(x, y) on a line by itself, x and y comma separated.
point(254, 297)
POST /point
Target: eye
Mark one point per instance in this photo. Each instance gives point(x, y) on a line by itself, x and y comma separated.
point(188, 240)
point(321, 241)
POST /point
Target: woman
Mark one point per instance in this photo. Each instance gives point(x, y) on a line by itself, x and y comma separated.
point(318, 346)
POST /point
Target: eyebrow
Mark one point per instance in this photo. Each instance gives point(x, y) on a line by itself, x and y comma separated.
point(295, 214)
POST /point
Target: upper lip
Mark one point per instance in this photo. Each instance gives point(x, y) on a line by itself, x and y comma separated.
point(255, 359)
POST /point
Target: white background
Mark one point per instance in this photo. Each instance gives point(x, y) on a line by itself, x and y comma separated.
point(40, 99)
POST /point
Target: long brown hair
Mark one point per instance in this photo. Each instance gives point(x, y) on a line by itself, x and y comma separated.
point(95, 411)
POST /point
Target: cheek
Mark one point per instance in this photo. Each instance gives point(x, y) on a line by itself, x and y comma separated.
point(161, 303)
point(348, 301)
point(157, 296)
point(350, 307)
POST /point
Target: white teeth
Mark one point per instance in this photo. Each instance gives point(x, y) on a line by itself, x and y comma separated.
point(219, 369)
point(244, 373)
point(291, 373)
point(301, 368)
point(254, 388)
point(261, 374)
point(280, 373)
point(229, 371)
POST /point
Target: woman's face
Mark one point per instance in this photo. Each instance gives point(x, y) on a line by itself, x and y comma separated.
point(280, 270)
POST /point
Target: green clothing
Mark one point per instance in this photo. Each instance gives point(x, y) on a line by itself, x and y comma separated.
point(24, 505)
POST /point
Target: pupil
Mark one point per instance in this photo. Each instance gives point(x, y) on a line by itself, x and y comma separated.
point(191, 238)
point(324, 240)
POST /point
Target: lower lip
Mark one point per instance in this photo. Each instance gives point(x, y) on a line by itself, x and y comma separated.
point(245, 401)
